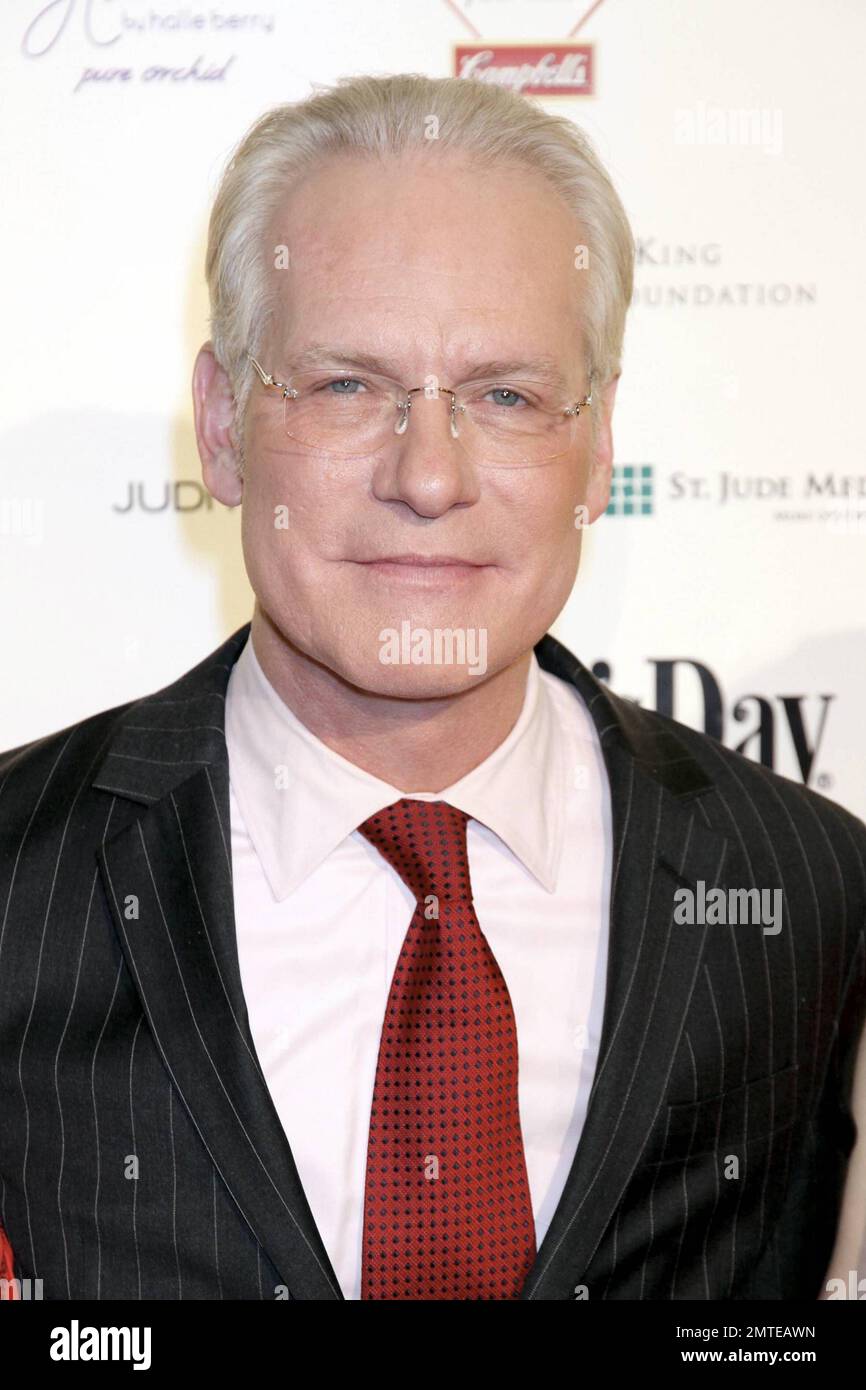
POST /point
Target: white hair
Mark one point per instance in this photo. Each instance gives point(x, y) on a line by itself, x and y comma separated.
point(390, 115)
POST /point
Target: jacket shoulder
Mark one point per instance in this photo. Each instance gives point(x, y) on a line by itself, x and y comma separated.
point(46, 774)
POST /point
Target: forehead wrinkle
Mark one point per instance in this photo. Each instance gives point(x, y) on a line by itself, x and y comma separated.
point(402, 268)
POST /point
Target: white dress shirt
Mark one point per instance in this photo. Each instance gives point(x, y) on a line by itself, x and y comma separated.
point(321, 917)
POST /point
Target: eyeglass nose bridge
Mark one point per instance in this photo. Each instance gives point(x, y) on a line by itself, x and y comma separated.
point(405, 406)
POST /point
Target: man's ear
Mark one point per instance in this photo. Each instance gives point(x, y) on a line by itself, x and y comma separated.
point(601, 468)
point(214, 407)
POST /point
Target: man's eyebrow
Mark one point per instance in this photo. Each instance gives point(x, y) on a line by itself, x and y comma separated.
point(543, 369)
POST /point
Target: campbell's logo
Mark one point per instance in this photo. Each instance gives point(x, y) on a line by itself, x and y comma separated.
point(536, 70)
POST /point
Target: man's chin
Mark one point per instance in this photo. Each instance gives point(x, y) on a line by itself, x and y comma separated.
point(421, 680)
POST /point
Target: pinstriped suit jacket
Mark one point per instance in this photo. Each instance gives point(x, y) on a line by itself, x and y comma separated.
point(141, 1155)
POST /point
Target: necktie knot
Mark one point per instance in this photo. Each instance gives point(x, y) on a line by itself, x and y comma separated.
point(425, 841)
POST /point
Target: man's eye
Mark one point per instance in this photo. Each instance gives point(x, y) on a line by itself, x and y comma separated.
point(343, 385)
point(506, 396)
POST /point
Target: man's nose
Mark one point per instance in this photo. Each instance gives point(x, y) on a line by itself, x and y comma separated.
point(426, 466)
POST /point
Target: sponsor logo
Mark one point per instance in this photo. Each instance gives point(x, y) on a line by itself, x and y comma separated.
point(803, 718)
point(631, 490)
point(836, 501)
point(705, 280)
point(184, 495)
point(536, 70)
point(112, 36)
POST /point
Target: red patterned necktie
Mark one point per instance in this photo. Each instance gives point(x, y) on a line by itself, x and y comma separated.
point(7, 1268)
point(447, 1207)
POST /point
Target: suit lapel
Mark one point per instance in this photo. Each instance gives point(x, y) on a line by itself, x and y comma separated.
point(168, 882)
point(660, 840)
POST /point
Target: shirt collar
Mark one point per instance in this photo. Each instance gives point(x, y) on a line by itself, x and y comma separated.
point(300, 799)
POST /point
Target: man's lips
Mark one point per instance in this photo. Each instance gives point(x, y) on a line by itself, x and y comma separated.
point(418, 560)
point(430, 571)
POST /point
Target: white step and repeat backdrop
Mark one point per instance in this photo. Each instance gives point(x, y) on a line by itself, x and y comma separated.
point(726, 583)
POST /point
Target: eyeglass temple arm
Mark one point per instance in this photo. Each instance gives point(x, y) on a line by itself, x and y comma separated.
point(267, 380)
point(587, 400)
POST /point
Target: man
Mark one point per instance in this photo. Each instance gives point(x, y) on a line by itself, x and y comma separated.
point(352, 963)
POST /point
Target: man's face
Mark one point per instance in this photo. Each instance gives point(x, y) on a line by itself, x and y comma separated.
point(432, 265)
